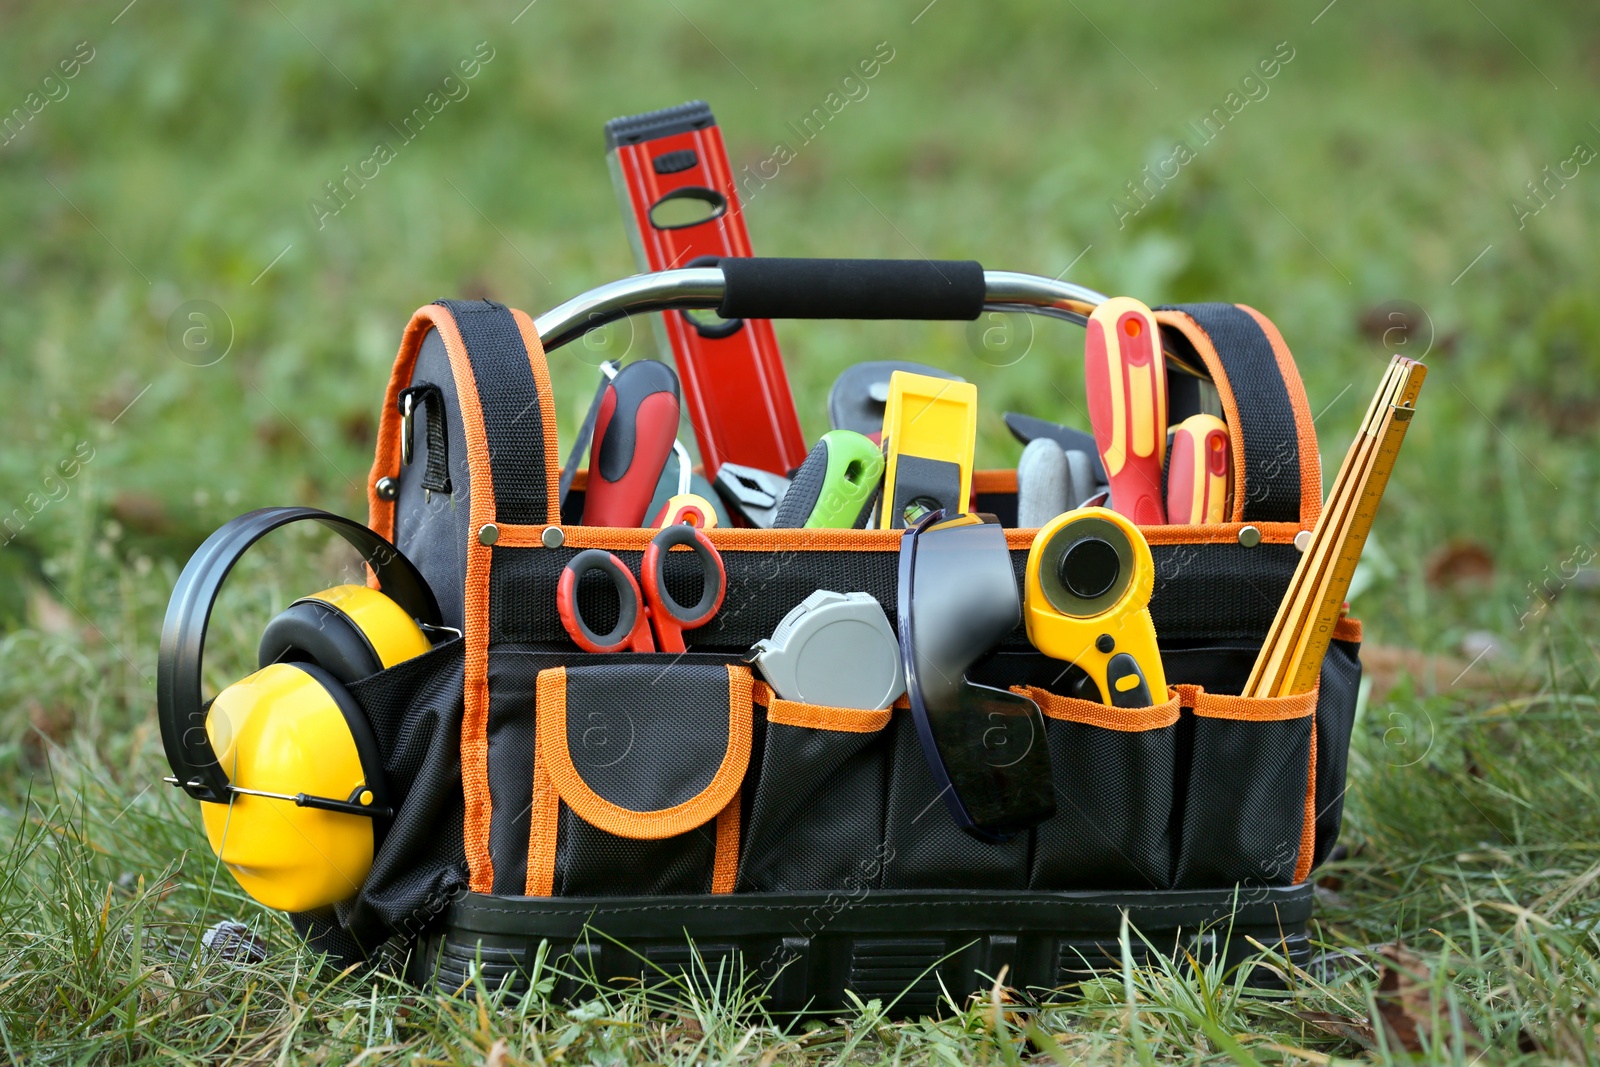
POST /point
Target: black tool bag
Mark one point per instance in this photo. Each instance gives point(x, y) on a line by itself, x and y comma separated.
point(659, 799)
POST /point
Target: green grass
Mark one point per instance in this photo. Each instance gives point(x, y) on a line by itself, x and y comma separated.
point(1384, 159)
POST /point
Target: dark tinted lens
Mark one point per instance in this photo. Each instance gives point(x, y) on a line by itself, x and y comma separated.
point(985, 746)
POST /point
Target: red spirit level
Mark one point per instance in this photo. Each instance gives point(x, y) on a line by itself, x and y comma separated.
point(682, 209)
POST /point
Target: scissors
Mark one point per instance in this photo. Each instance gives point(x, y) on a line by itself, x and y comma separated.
point(654, 608)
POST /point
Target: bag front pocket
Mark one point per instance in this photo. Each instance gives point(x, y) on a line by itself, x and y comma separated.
point(1113, 771)
point(816, 820)
point(1245, 819)
point(636, 778)
point(923, 847)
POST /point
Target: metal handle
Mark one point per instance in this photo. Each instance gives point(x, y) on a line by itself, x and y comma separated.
point(704, 288)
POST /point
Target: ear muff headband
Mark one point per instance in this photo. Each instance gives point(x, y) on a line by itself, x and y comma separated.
point(180, 707)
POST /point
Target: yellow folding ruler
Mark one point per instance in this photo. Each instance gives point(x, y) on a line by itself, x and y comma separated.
point(1291, 660)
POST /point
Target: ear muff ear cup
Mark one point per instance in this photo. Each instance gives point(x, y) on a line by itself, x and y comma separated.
point(291, 728)
point(349, 631)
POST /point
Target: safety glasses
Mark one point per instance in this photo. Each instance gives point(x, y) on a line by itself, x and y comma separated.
point(985, 746)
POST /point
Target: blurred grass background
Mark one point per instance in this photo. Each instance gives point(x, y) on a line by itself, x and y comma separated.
point(1365, 203)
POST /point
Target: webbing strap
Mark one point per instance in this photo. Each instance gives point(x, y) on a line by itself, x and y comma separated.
point(1272, 482)
point(514, 422)
point(426, 395)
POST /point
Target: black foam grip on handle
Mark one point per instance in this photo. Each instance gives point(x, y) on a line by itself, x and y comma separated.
point(762, 288)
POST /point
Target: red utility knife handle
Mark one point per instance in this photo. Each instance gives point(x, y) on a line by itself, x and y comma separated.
point(1127, 388)
point(633, 434)
point(1199, 474)
point(734, 384)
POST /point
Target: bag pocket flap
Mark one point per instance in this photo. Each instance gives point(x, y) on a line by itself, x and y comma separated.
point(644, 750)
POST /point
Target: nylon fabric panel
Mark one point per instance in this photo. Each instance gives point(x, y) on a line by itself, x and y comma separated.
point(513, 420)
point(513, 673)
point(432, 529)
point(1244, 807)
point(762, 588)
point(1112, 826)
point(923, 846)
point(1271, 439)
point(590, 861)
point(816, 819)
point(1202, 591)
point(1336, 712)
point(414, 709)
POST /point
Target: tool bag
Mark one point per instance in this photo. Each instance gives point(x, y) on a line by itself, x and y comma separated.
point(621, 807)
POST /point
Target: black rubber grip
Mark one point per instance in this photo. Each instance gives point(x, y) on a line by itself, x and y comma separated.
point(760, 288)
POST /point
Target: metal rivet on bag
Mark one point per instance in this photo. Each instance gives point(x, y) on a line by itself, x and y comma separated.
point(387, 488)
point(1249, 536)
point(1302, 540)
point(553, 537)
point(488, 534)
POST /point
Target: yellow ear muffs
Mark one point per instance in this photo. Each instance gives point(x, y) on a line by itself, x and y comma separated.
point(289, 771)
point(291, 729)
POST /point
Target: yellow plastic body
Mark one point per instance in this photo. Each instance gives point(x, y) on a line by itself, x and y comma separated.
point(1073, 638)
point(393, 634)
point(279, 731)
point(934, 418)
point(690, 508)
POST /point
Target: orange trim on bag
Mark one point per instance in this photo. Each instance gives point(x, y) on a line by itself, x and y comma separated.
point(475, 712)
point(1252, 709)
point(1198, 337)
point(994, 481)
point(1308, 827)
point(727, 539)
point(1219, 533)
point(551, 696)
point(1305, 430)
point(1347, 629)
point(825, 717)
point(386, 461)
point(733, 539)
point(725, 870)
point(1093, 713)
point(547, 409)
point(544, 826)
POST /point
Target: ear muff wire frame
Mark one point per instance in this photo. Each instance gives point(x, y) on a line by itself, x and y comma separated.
point(180, 706)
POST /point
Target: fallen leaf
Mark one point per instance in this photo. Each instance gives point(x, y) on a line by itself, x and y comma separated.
point(1433, 673)
point(1356, 1031)
point(1459, 561)
point(1410, 1013)
point(143, 513)
point(358, 428)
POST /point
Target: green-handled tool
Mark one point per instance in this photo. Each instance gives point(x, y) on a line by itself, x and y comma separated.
point(836, 487)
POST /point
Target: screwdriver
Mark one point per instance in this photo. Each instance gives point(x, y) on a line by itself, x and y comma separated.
point(1127, 391)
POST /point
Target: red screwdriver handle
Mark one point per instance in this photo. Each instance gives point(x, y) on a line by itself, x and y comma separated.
point(1126, 376)
point(633, 433)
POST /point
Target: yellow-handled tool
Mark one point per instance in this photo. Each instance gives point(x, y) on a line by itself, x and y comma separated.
point(1087, 601)
point(1199, 471)
point(1126, 375)
point(930, 428)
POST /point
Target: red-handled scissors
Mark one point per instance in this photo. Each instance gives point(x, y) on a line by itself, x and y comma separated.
point(655, 608)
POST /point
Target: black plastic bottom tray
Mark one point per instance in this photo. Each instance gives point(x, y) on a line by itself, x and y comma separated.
point(886, 944)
